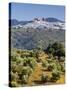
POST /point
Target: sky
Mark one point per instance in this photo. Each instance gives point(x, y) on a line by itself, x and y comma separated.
point(21, 11)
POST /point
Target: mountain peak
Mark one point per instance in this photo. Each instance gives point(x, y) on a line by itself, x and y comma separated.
point(39, 19)
point(49, 19)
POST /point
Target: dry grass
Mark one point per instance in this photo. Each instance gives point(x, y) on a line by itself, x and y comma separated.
point(36, 75)
point(61, 80)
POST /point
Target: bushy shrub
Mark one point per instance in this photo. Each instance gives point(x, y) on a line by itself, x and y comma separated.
point(57, 49)
point(31, 62)
point(14, 77)
point(24, 71)
point(44, 78)
point(55, 76)
point(13, 84)
point(32, 54)
point(14, 67)
point(62, 59)
point(18, 51)
point(14, 58)
point(63, 67)
point(50, 67)
point(24, 79)
point(45, 64)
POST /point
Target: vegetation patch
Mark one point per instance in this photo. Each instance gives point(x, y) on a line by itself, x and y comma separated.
point(37, 66)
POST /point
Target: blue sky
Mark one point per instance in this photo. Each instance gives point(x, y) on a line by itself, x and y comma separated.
point(21, 11)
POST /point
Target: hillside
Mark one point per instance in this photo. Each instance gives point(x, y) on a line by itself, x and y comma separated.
point(36, 33)
point(35, 38)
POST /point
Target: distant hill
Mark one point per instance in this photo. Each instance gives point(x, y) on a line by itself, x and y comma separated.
point(38, 32)
point(53, 20)
point(49, 19)
point(13, 22)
